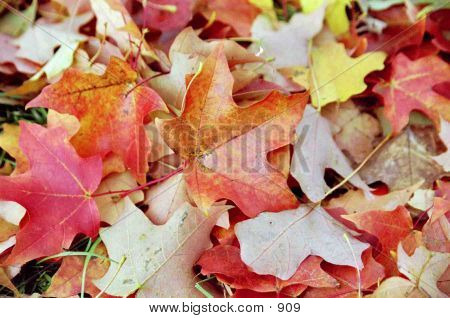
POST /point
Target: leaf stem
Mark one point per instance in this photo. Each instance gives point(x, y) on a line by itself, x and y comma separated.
point(124, 193)
point(362, 164)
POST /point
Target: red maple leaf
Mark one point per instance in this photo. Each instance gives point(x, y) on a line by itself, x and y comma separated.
point(56, 192)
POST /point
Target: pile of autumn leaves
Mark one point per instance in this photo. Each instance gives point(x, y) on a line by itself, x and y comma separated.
point(222, 199)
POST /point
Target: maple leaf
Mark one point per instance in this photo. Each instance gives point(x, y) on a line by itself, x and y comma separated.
point(444, 158)
point(278, 42)
point(225, 262)
point(111, 112)
point(109, 206)
point(355, 201)
point(350, 282)
point(39, 41)
point(312, 157)
point(239, 14)
point(6, 282)
point(121, 27)
point(389, 227)
point(411, 88)
point(355, 132)
point(423, 268)
point(212, 130)
point(56, 193)
point(437, 25)
point(165, 198)
point(9, 141)
point(292, 236)
point(188, 42)
point(404, 161)
point(67, 280)
point(341, 77)
point(397, 287)
point(159, 15)
point(398, 21)
point(157, 253)
point(11, 213)
point(8, 56)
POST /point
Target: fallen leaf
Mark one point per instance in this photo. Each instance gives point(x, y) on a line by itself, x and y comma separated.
point(340, 78)
point(110, 206)
point(225, 262)
point(444, 159)
point(67, 280)
point(188, 42)
point(402, 162)
point(312, 157)
point(115, 123)
point(9, 141)
point(423, 269)
point(8, 55)
point(397, 287)
point(351, 281)
point(239, 14)
point(158, 15)
point(277, 243)
point(279, 41)
point(155, 253)
point(39, 41)
point(410, 88)
point(165, 198)
point(212, 131)
point(398, 21)
point(58, 190)
point(355, 132)
point(355, 201)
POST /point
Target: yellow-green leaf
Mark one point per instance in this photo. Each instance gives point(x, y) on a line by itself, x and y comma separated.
point(341, 77)
point(336, 16)
point(309, 6)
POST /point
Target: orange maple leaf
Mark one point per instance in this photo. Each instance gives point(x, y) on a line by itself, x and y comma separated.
point(224, 146)
point(111, 111)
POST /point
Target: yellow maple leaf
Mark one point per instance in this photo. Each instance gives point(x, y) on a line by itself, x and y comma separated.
point(266, 6)
point(341, 77)
point(9, 141)
point(336, 16)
